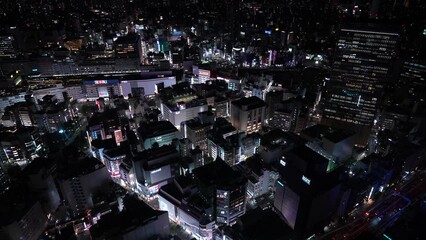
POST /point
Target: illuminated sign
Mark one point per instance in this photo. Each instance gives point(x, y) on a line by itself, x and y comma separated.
point(101, 81)
point(204, 73)
point(386, 236)
point(118, 136)
point(182, 106)
point(306, 180)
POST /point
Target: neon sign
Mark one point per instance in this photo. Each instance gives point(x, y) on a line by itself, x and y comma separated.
point(101, 81)
point(306, 180)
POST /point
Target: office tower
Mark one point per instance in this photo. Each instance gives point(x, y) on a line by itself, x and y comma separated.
point(21, 217)
point(21, 146)
point(7, 50)
point(411, 85)
point(259, 223)
point(127, 46)
point(4, 178)
point(260, 179)
point(363, 61)
point(221, 107)
point(41, 183)
point(224, 142)
point(306, 194)
point(249, 145)
point(226, 189)
point(81, 181)
point(286, 115)
point(248, 114)
point(273, 99)
point(196, 130)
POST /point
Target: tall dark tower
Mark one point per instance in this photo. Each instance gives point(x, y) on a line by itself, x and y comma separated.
point(363, 62)
point(233, 16)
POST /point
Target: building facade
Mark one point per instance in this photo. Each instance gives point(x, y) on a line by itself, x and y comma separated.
point(361, 69)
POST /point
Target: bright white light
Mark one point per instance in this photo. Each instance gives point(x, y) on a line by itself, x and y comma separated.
point(371, 192)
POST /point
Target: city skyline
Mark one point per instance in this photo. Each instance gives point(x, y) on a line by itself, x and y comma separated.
point(208, 120)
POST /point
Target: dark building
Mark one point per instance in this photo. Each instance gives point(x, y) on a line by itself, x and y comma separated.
point(361, 69)
point(21, 215)
point(126, 46)
point(225, 187)
point(272, 100)
point(410, 90)
point(81, 181)
point(286, 115)
point(136, 220)
point(4, 179)
point(306, 195)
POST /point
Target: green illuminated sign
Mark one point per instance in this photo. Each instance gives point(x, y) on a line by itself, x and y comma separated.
point(387, 237)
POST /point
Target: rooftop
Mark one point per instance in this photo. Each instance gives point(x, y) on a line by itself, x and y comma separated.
point(135, 213)
point(317, 131)
point(249, 103)
point(308, 155)
point(155, 129)
point(83, 167)
point(218, 173)
point(106, 143)
point(262, 224)
point(339, 135)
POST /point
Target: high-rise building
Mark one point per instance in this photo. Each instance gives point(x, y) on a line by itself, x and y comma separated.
point(306, 194)
point(7, 49)
point(225, 187)
point(79, 183)
point(273, 99)
point(248, 114)
point(21, 218)
point(196, 131)
point(21, 146)
point(363, 61)
point(411, 85)
point(4, 179)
